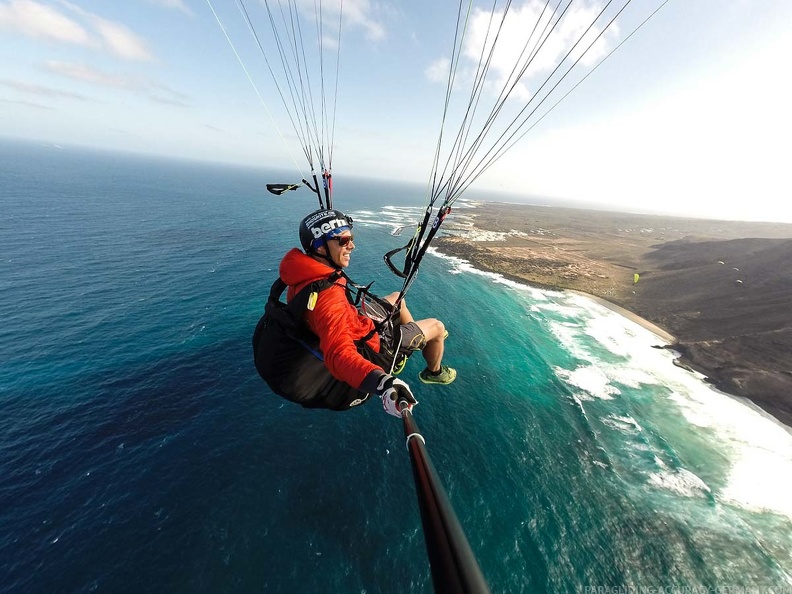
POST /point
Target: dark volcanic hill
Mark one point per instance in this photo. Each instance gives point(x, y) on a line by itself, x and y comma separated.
point(729, 304)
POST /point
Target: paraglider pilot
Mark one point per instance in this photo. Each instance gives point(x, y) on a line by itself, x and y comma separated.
point(356, 351)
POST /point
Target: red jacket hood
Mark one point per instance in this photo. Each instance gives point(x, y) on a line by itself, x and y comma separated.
point(298, 269)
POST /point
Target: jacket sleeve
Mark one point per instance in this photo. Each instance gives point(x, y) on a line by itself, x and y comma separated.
point(333, 319)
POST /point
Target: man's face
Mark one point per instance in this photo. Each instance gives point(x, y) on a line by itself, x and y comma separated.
point(340, 254)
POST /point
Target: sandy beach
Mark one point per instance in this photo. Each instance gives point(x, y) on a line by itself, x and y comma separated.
point(719, 291)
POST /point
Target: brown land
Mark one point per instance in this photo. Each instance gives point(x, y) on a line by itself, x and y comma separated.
point(722, 289)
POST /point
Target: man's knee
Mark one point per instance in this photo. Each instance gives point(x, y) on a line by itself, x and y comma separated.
point(440, 329)
point(432, 328)
point(392, 299)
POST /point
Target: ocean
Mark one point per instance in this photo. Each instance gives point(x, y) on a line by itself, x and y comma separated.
point(140, 452)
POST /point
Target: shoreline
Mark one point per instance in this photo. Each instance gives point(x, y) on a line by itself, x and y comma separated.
point(663, 335)
point(738, 336)
point(630, 315)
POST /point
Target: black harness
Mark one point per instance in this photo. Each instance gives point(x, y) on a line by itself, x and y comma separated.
point(287, 354)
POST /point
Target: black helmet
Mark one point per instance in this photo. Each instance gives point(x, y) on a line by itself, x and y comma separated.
point(321, 224)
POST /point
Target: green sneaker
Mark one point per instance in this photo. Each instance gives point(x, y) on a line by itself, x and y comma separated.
point(399, 367)
point(445, 377)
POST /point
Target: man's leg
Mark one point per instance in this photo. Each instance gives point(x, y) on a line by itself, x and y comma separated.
point(404, 314)
point(432, 328)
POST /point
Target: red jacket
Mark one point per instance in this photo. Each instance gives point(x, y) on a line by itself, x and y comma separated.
point(336, 322)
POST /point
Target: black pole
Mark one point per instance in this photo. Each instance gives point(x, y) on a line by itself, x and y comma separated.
point(328, 193)
point(318, 191)
point(315, 190)
point(454, 567)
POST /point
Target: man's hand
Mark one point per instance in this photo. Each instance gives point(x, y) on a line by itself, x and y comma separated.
point(393, 392)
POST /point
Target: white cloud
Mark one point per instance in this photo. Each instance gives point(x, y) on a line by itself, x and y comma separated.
point(40, 21)
point(27, 104)
point(165, 95)
point(536, 39)
point(357, 13)
point(43, 21)
point(360, 13)
point(85, 73)
point(170, 101)
point(155, 91)
point(437, 71)
point(173, 4)
point(40, 90)
point(121, 41)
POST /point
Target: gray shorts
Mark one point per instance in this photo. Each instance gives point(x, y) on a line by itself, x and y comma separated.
point(395, 341)
point(410, 338)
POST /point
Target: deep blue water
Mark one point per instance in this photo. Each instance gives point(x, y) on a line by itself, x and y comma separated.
point(140, 452)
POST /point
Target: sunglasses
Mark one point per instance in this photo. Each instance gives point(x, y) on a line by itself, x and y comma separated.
point(343, 240)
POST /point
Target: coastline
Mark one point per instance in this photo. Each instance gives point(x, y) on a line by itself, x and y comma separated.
point(738, 336)
point(630, 315)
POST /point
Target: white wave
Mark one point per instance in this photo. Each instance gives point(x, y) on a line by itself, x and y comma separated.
point(467, 203)
point(558, 305)
point(680, 481)
point(761, 478)
point(756, 448)
point(610, 327)
point(590, 379)
point(391, 217)
point(625, 424)
point(609, 332)
point(569, 336)
point(413, 211)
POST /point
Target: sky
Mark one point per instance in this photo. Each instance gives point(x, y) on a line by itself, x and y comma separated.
point(688, 117)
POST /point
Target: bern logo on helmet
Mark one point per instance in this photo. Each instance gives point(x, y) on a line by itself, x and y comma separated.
point(327, 227)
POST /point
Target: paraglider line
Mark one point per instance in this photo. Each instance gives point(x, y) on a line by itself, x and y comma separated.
point(253, 84)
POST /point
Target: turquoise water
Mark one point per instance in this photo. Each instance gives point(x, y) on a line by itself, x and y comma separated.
point(140, 452)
